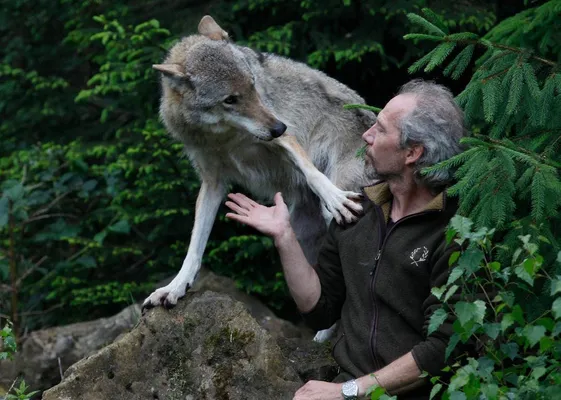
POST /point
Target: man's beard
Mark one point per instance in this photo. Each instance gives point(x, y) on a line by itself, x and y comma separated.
point(373, 174)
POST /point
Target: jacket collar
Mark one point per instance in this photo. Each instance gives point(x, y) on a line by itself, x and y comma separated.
point(380, 195)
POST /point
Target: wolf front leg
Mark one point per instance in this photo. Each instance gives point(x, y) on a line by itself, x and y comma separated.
point(210, 196)
point(335, 202)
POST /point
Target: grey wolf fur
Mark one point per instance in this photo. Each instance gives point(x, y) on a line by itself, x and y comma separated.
point(230, 107)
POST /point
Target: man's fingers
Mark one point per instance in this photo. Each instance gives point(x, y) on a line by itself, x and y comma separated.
point(236, 217)
point(234, 207)
point(242, 200)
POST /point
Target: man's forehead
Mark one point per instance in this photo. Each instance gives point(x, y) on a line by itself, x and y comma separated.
point(397, 106)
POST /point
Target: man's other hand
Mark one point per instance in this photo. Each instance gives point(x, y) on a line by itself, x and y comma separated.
point(318, 390)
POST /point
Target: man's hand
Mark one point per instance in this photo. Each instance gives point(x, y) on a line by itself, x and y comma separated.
point(318, 390)
point(272, 221)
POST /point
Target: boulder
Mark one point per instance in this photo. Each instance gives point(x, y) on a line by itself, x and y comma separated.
point(208, 347)
point(45, 353)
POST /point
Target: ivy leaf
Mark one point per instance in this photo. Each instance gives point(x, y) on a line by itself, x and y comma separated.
point(556, 308)
point(437, 319)
point(533, 333)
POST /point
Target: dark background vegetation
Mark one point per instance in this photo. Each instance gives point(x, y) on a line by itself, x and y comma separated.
point(98, 202)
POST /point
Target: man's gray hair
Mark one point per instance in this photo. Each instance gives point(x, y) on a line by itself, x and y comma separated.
point(436, 123)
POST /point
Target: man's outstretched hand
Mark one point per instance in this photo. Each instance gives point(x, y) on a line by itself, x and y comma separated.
point(271, 221)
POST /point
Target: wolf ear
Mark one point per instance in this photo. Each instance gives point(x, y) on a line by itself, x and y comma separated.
point(171, 70)
point(174, 71)
point(209, 28)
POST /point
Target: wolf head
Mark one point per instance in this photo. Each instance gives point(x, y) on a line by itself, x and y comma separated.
point(210, 86)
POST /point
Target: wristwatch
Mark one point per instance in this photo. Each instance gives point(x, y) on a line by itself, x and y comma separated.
point(350, 390)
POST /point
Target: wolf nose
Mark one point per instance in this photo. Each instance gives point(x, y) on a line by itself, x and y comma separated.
point(278, 129)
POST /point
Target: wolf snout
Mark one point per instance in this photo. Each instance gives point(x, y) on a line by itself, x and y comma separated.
point(278, 129)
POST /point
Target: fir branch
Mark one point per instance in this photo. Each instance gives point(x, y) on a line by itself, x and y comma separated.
point(429, 27)
point(362, 106)
point(441, 53)
point(435, 19)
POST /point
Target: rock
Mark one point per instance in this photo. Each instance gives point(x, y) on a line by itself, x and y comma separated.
point(37, 360)
point(208, 347)
point(207, 280)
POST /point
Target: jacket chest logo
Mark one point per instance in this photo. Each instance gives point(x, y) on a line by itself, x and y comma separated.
point(419, 255)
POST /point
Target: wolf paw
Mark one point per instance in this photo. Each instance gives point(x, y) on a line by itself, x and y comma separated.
point(166, 296)
point(343, 205)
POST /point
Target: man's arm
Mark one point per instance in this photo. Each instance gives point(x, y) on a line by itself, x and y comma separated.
point(301, 278)
point(398, 377)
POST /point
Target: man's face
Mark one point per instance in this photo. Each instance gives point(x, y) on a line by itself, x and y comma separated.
point(385, 159)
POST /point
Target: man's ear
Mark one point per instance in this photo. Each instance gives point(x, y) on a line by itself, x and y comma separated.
point(209, 28)
point(413, 154)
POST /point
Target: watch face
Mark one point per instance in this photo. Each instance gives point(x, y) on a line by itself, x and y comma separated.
point(350, 389)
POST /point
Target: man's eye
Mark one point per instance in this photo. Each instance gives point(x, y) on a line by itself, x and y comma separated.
point(231, 100)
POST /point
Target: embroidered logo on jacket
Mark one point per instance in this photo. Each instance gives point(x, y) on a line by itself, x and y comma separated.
point(418, 255)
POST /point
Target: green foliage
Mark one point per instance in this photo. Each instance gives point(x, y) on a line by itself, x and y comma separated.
point(511, 311)
point(8, 344)
point(100, 198)
point(8, 347)
point(21, 392)
point(509, 178)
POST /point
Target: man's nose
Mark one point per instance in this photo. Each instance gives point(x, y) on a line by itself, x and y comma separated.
point(368, 136)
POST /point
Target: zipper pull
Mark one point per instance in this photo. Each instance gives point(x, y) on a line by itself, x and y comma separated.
point(376, 262)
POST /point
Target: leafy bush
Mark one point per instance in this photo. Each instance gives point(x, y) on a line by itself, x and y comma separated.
point(520, 344)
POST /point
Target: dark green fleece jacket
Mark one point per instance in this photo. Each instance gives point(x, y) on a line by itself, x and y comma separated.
point(378, 282)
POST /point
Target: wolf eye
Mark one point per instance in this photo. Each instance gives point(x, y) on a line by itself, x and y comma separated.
point(231, 100)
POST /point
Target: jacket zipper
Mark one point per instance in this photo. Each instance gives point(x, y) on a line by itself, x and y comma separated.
point(374, 272)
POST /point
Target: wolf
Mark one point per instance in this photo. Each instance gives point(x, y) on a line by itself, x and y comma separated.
point(268, 124)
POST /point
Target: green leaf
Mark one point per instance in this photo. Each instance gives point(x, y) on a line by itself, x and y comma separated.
point(533, 333)
point(435, 389)
point(436, 320)
point(555, 286)
point(121, 227)
point(438, 292)
point(462, 226)
point(454, 275)
point(377, 393)
point(492, 330)
point(467, 312)
point(451, 291)
point(457, 396)
point(453, 258)
point(510, 350)
point(4, 211)
point(556, 308)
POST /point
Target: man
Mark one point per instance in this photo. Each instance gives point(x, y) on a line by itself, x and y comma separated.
point(376, 275)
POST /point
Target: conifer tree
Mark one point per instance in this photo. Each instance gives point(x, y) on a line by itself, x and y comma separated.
point(508, 178)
